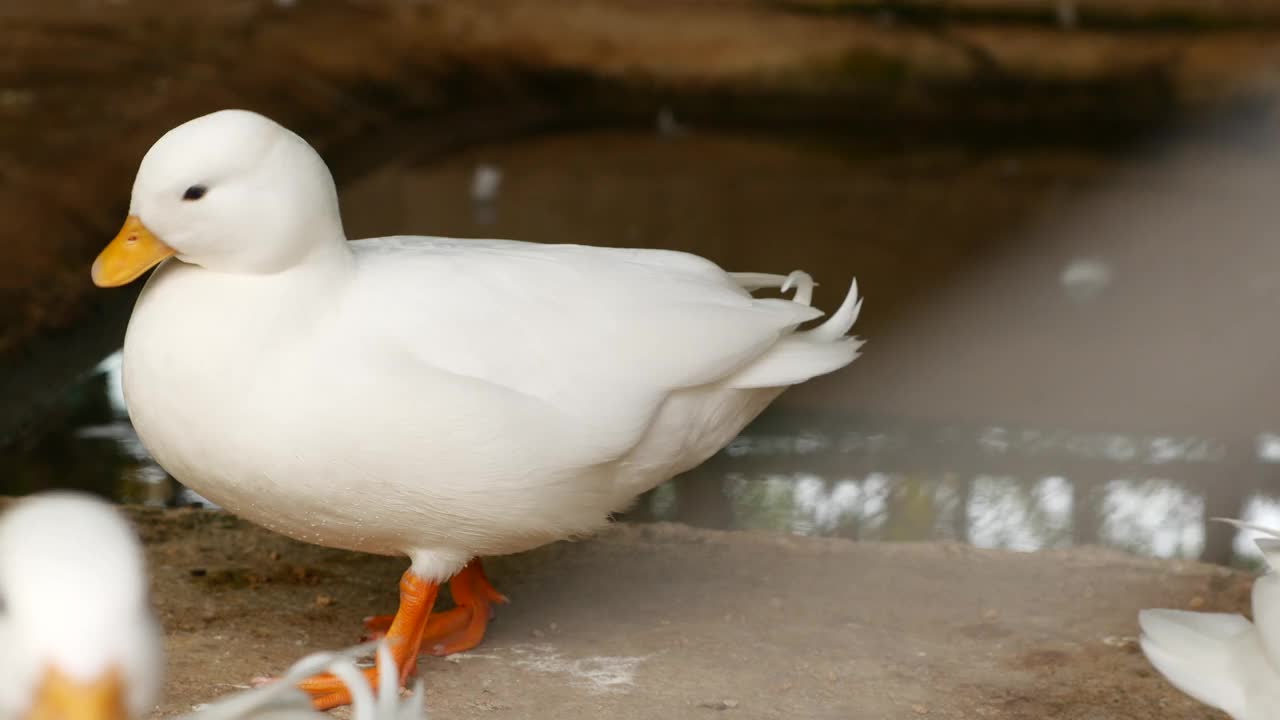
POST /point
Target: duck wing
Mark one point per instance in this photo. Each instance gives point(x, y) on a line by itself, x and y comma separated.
point(602, 335)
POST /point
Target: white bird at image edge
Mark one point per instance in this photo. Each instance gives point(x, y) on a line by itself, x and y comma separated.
point(1222, 659)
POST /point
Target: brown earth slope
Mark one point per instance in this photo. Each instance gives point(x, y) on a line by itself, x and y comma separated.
point(86, 87)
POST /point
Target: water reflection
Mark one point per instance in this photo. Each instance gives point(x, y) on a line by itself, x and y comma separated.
point(1004, 512)
point(1154, 516)
point(955, 499)
point(840, 477)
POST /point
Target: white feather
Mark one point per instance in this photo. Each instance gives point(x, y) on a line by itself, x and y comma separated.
point(282, 700)
point(1222, 660)
point(1266, 589)
point(799, 279)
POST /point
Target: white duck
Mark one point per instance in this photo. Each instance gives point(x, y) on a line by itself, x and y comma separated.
point(1222, 659)
point(436, 398)
point(78, 640)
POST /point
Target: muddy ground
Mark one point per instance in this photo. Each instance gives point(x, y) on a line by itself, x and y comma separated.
point(664, 621)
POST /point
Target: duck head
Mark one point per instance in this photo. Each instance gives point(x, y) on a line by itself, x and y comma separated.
point(231, 191)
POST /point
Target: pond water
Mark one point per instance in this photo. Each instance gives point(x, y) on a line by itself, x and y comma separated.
point(1063, 432)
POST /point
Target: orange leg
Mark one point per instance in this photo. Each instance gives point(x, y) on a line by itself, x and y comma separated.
point(460, 628)
point(441, 623)
point(472, 593)
point(404, 639)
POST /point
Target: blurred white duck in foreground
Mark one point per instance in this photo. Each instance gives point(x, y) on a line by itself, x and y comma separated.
point(1222, 659)
point(78, 640)
point(65, 658)
point(436, 398)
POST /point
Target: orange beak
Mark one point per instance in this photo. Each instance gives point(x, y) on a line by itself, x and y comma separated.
point(133, 251)
point(58, 697)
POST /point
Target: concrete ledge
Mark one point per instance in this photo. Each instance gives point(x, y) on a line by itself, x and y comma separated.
point(652, 621)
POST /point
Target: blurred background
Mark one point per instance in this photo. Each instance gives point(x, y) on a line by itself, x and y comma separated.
point(1062, 214)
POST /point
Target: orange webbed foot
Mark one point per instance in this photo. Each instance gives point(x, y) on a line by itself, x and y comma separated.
point(440, 624)
point(403, 639)
point(460, 628)
point(475, 598)
point(414, 629)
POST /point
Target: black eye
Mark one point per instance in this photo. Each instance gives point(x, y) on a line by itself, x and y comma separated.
point(195, 192)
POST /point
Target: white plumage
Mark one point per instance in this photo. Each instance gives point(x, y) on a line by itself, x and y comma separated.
point(437, 398)
point(1222, 659)
point(77, 636)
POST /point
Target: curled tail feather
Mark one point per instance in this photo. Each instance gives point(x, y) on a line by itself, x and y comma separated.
point(802, 355)
point(799, 279)
point(1269, 545)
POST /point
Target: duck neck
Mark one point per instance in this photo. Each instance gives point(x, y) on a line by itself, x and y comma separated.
point(331, 258)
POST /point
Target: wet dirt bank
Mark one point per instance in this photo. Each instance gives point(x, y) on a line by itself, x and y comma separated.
point(85, 88)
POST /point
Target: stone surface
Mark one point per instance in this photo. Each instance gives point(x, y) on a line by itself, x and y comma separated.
point(665, 621)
